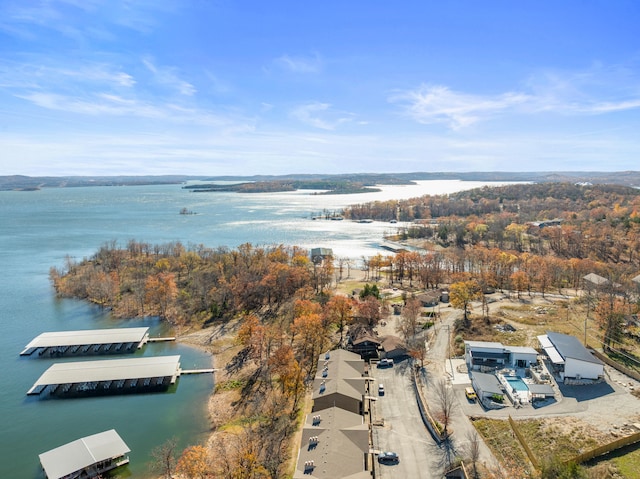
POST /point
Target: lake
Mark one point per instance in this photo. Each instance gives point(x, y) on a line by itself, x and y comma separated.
point(39, 229)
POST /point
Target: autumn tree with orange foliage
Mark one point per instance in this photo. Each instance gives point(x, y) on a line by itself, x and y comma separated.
point(339, 312)
point(195, 463)
point(461, 295)
point(161, 290)
point(308, 333)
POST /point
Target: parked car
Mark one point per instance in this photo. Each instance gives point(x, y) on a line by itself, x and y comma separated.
point(380, 389)
point(388, 457)
point(385, 363)
point(470, 393)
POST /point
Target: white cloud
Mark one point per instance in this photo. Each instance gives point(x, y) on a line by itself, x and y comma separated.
point(320, 115)
point(299, 64)
point(109, 104)
point(39, 75)
point(167, 76)
point(439, 104)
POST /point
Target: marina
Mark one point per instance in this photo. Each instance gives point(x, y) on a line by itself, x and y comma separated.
point(87, 342)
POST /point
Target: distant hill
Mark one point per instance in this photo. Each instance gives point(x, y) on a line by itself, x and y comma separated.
point(19, 182)
point(627, 178)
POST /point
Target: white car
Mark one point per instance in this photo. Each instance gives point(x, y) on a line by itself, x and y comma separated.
point(380, 389)
point(385, 363)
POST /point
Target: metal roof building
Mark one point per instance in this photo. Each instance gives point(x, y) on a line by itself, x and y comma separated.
point(486, 384)
point(108, 375)
point(88, 342)
point(570, 357)
point(86, 457)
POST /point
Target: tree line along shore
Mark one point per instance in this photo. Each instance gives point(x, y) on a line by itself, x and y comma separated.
point(283, 309)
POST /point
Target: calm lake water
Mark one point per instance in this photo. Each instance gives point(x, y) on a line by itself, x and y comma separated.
point(39, 229)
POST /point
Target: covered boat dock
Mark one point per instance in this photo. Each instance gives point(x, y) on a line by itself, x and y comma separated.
point(80, 343)
point(86, 457)
point(109, 376)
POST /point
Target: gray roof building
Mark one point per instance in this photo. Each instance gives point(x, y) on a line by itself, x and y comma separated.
point(486, 384)
point(596, 279)
point(571, 347)
point(339, 363)
point(339, 381)
point(570, 358)
point(334, 445)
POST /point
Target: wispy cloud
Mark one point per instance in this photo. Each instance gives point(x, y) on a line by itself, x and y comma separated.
point(439, 104)
point(108, 104)
point(80, 19)
point(320, 115)
point(168, 77)
point(594, 91)
point(38, 75)
point(299, 64)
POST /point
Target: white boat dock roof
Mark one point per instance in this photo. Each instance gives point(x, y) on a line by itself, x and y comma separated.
point(82, 453)
point(62, 339)
point(108, 370)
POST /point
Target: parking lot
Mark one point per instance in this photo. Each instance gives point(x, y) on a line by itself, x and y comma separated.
point(399, 428)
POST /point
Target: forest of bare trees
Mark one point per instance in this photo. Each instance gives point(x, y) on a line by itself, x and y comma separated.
point(287, 312)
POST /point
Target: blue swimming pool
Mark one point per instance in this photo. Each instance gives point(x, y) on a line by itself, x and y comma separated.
point(516, 383)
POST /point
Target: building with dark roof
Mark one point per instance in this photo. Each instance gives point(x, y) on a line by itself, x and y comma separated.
point(488, 356)
point(364, 341)
point(571, 360)
point(486, 385)
point(393, 347)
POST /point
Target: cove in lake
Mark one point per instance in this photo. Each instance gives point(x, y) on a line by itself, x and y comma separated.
point(40, 229)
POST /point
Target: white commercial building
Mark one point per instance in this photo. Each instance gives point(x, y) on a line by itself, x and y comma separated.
point(570, 358)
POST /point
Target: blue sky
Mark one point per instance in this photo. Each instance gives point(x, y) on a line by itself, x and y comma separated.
point(216, 87)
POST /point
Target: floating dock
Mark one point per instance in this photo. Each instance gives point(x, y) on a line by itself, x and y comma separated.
point(109, 376)
point(88, 342)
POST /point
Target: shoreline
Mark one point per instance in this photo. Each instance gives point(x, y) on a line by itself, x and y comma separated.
point(219, 341)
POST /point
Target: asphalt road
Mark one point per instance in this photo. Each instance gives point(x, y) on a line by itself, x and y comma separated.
point(403, 431)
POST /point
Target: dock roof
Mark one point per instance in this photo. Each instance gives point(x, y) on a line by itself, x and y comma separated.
point(82, 453)
point(84, 337)
point(109, 370)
